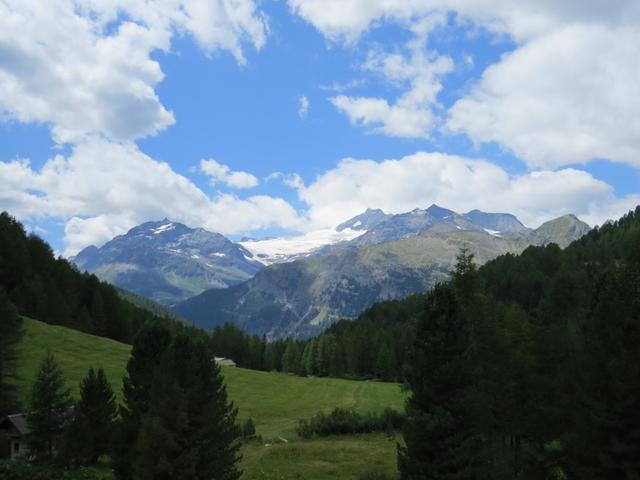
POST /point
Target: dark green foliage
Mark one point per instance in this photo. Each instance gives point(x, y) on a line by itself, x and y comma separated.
point(291, 357)
point(189, 430)
point(91, 431)
point(248, 351)
point(248, 429)
point(52, 290)
point(345, 421)
point(18, 470)
point(606, 440)
point(148, 349)
point(441, 434)
point(10, 333)
point(49, 410)
point(542, 378)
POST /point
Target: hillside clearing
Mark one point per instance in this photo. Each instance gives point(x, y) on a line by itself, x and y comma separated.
point(275, 401)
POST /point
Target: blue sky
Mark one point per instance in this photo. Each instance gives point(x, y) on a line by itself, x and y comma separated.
point(503, 109)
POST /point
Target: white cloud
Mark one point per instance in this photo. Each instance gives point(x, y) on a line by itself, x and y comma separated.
point(104, 188)
point(458, 183)
point(566, 94)
point(303, 108)
point(220, 173)
point(78, 67)
point(418, 72)
point(567, 97)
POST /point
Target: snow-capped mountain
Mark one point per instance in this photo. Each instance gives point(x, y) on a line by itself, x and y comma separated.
point(168, 261)
point(394, 256)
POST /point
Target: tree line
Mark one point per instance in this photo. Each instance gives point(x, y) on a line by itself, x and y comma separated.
point(529, 368)
point(373, 346)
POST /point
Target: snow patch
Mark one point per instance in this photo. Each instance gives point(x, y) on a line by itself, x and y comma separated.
point(287, 249)
point(195, 256)
point(458, 227)
point(357, 224)
point(163, 228)
point(495, 233)
point(218, 254)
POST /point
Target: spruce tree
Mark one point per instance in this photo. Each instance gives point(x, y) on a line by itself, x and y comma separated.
point(604, 441)
point(91, 432)
point(189, 431)
point(291, 358)
point(148, 348)
point(49, 410)
point(441, 441)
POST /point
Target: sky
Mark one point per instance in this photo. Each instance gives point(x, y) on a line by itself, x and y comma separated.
point(272, 117)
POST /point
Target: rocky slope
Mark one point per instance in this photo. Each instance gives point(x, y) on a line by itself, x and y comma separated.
point(303, 297)
point(168, 261)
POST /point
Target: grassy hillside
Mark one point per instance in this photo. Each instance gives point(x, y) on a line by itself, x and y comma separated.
point(275, 402)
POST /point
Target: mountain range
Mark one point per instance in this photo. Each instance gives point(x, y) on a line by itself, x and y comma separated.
point(391, 257)
point(296, 286)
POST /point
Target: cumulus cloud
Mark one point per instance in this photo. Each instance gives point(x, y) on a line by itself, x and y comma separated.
point(85, 67)
point(462, 184)
point(567, 97)
point(220, 173)
point(566, 94)
point(104, 188)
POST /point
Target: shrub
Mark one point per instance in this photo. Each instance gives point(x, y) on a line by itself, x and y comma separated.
point(346, 421)
point(248, 429)
point(17, 470)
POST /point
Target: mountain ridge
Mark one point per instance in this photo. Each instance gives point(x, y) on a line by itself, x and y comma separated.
point(167, 261)
point(301, 298)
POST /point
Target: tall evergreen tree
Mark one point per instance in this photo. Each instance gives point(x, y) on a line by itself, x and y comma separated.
point(148, 348)
point(291, 358)
point(441, 440)
point(189, 431)
point(310, 358)
point(49, 410)
point(604, 441)
point(91, 432)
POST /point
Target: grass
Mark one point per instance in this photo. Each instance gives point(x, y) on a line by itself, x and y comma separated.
point(275, 401)
point(344, 458)
point(75, 352)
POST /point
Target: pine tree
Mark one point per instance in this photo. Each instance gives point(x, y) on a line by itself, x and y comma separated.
point(465, 276)
point(148, 349)
point(310, 357)
point(189, 431)
point(605, 439)
point(291, 358)
point(440, 437)
point(49, 410)
point(90, 434)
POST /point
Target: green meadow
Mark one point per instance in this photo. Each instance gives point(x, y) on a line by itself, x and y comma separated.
point(274, 401)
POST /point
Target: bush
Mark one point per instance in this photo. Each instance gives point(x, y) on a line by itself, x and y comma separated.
point(248, 429)
point(17, 470)
point(345, 421)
